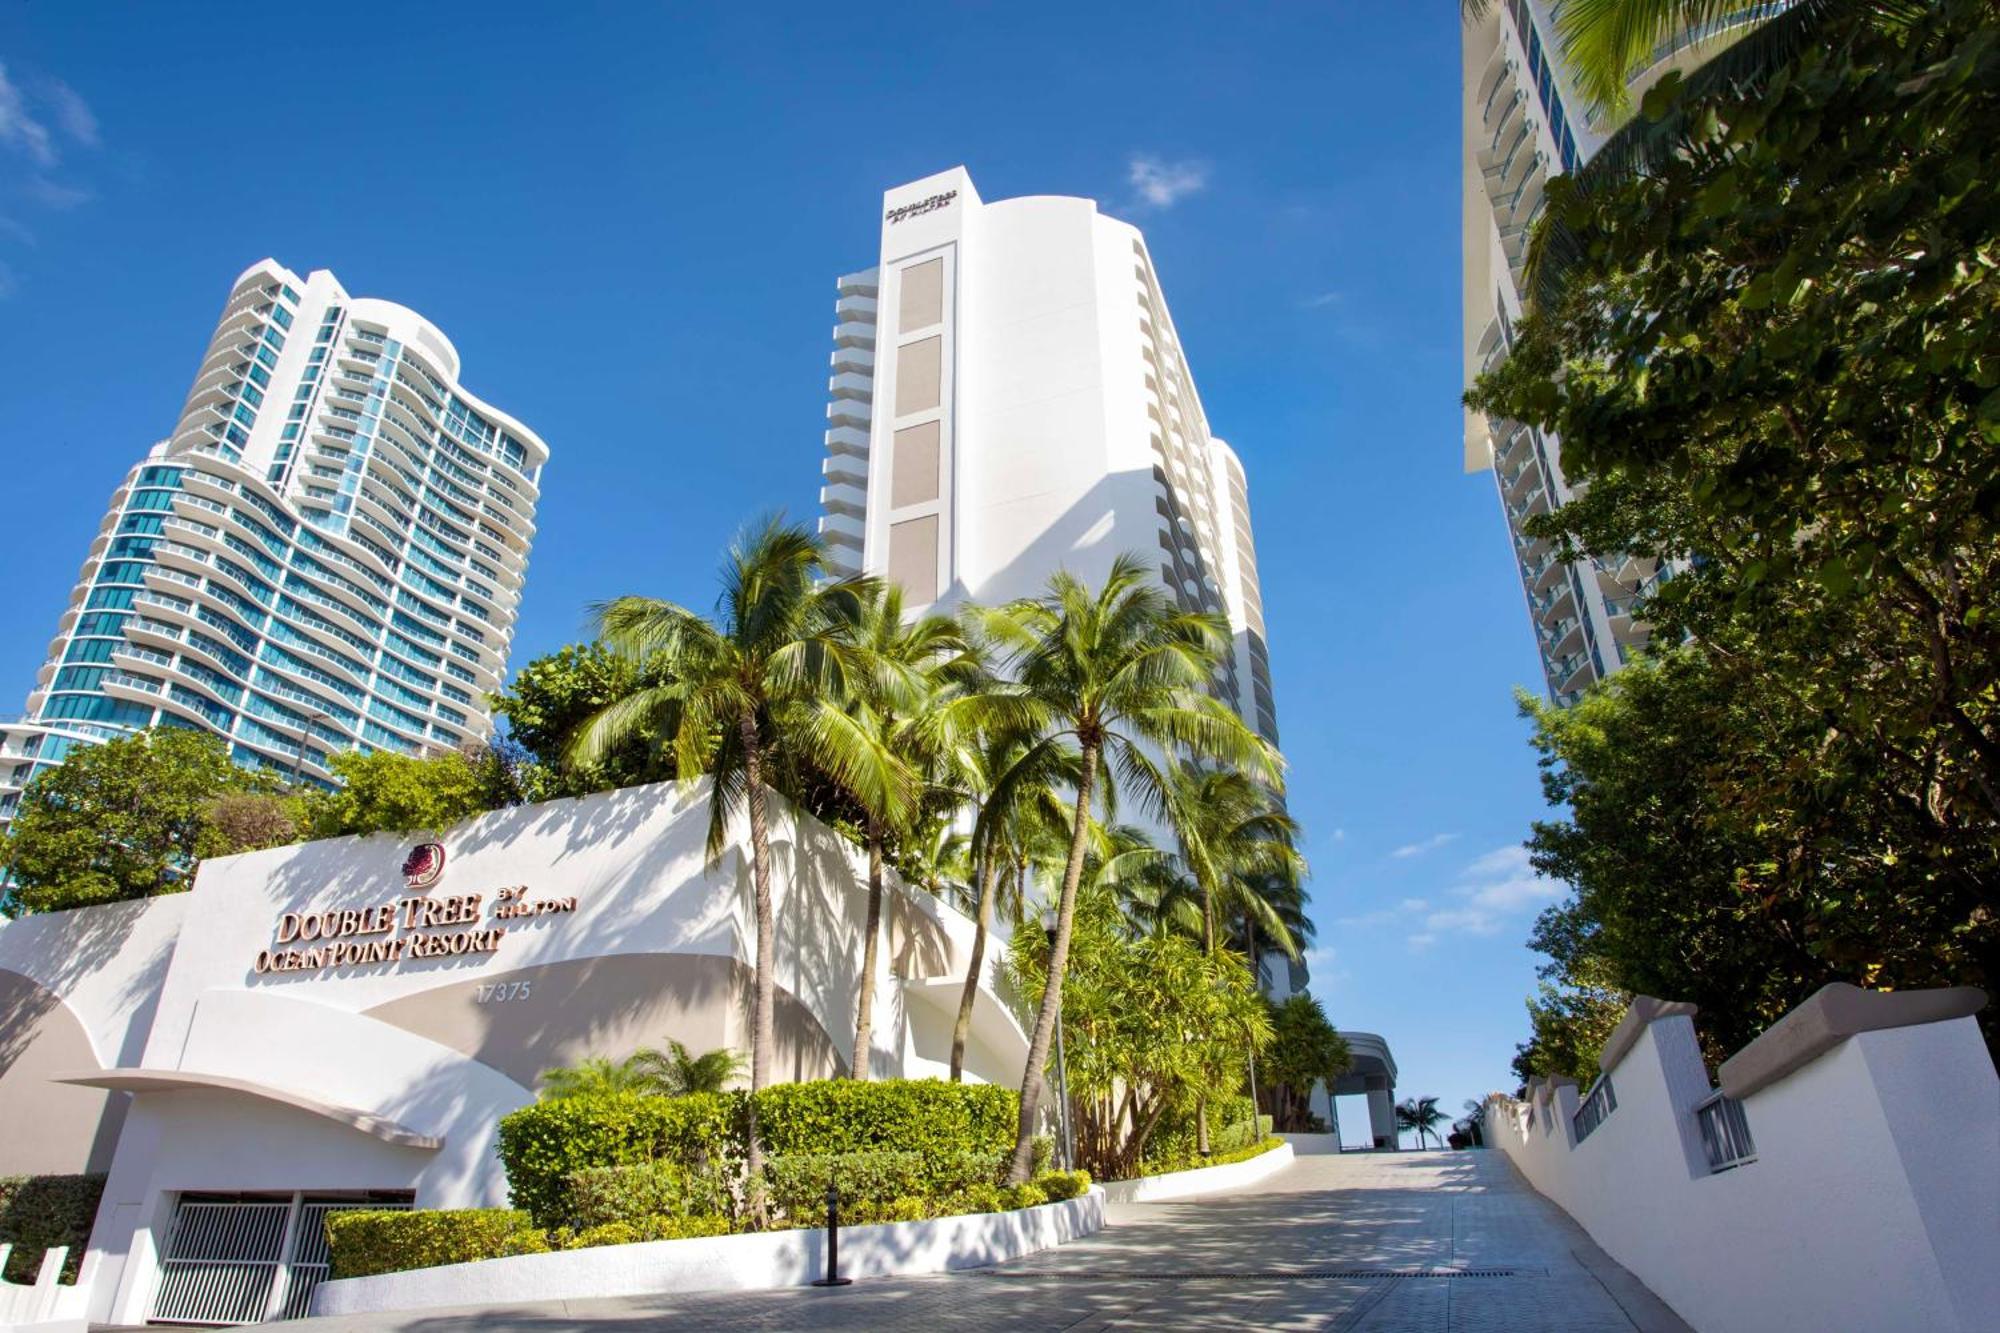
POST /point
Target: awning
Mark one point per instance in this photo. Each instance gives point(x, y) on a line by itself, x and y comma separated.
point(182, 1080)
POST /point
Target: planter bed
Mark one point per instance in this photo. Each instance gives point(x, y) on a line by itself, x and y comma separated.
point(1201, 1180)
point(749, 1262)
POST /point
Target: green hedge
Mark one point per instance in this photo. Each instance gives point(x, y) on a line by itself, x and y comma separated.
point(797, 1184)
point(545, 1144)
point(364, 1243)
point(927, 1116)
point(1191, 1161)
point(38, 1213)
point(605, 1194)
point(1060, 1185)
point(636, 1230)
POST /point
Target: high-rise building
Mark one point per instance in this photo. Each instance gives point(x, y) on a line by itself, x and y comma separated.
point(1009, 398)
point(326, 553)
point(1523, 124)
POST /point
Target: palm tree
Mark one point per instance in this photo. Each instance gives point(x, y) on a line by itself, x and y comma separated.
point(775, 667)
point(1606, 44)
point(596, 1075)
point(1233, 834)
point(677, 1072)
point(1110, 671)
point(1421, 1116)
point(912, 665)
point(1017, 783)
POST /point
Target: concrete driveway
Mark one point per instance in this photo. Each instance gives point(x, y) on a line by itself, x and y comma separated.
point(1387, 1242)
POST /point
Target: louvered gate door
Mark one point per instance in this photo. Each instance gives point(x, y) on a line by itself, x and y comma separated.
point(309, 1259)
point(220, 1262)
point(226, 1260)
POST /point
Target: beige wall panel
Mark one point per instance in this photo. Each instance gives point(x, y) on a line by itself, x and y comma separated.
point(609, 1006)
point(919, 375)
point(913, 550)
point(913, 468)
point(922, 301)
point(49, 1128)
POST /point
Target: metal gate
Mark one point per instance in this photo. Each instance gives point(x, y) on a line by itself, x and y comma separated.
point(244, 1259)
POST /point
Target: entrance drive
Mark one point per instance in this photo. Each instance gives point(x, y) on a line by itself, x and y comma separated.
point(246, 1258)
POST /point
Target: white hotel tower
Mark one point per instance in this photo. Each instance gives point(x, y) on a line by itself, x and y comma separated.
point(327, 552)
point(1524, 123)
point(1009, 398)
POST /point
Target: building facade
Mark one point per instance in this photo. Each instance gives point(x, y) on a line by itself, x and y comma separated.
point(1523, 124)
point(1009, 397)
point(326, 553)
point(340, 1023)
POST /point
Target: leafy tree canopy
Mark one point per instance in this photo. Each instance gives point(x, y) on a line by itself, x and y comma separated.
point(126, 819)
point(1152, 1023)
point(385, 792)
point(1774, 355)
point(550, 700)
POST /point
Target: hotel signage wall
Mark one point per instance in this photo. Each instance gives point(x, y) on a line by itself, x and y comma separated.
point(403, 928)
point(929, 204)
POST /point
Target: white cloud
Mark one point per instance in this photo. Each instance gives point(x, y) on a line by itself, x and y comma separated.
point(55, 195)
point(21, 130)
point(1430, 844)
point(78, 121)
point(1494, 891)
point(1162, 184)
point(1340, 835)
point(1321, 301)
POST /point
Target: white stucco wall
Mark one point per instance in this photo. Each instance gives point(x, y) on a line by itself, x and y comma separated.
point(723, 1263)
point(1873, 1201)
point(171, 987)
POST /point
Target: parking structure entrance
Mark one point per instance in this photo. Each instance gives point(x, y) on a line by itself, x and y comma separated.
point(248, 1258)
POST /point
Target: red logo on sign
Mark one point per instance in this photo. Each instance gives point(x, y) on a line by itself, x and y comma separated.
point(424, 865)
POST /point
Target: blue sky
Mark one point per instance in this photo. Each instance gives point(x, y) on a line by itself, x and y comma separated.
point(629, 220)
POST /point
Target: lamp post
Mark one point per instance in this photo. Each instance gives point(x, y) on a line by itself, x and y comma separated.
point(1062, 1072)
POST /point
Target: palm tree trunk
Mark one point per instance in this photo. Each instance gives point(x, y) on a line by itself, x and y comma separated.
point(763, 1042)
point(1045, 1021)
point(864, 1007)
point(982, 921)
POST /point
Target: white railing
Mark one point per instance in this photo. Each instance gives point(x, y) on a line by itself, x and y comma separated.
point(49, 1300)
point(1600, 1102)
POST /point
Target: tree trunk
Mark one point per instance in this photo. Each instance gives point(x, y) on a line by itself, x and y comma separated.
point(864, 1007)
point(1045, 1021)
point(982, 921)
point(763, 1044)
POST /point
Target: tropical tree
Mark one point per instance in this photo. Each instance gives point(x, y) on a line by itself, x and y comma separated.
point(678, 1072)
point(382, 791)
point(1155, 1024)
point(1305, 1048)
point(552, 697)
point(1233, 834)
point(1113, 671)
point(1016, 785)
point(596, 1075)
point(897, 715)
point(776, 667)
point(1420, 1116)
point(131, 818)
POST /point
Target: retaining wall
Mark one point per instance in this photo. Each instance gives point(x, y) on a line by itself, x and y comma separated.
point(1871, 1195)
point(722, 1263)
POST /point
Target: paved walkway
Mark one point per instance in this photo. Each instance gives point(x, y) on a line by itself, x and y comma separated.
point(1425, 1242)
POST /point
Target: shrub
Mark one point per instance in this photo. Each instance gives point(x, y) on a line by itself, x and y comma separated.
point(544, 1144)
point(905, 1209)
point(601, 1194)
point(926, 1116)
point(38, 1213)
point(797, 1184)
point(366, 1242)
point(978, 1199)
point(1041, 1154)
point(1060, 1185)
point(648, 1228)
point(1023, 1196)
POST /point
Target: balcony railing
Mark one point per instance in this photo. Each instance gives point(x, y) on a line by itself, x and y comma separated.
point(1725, 1132)
point(1601, 1102)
